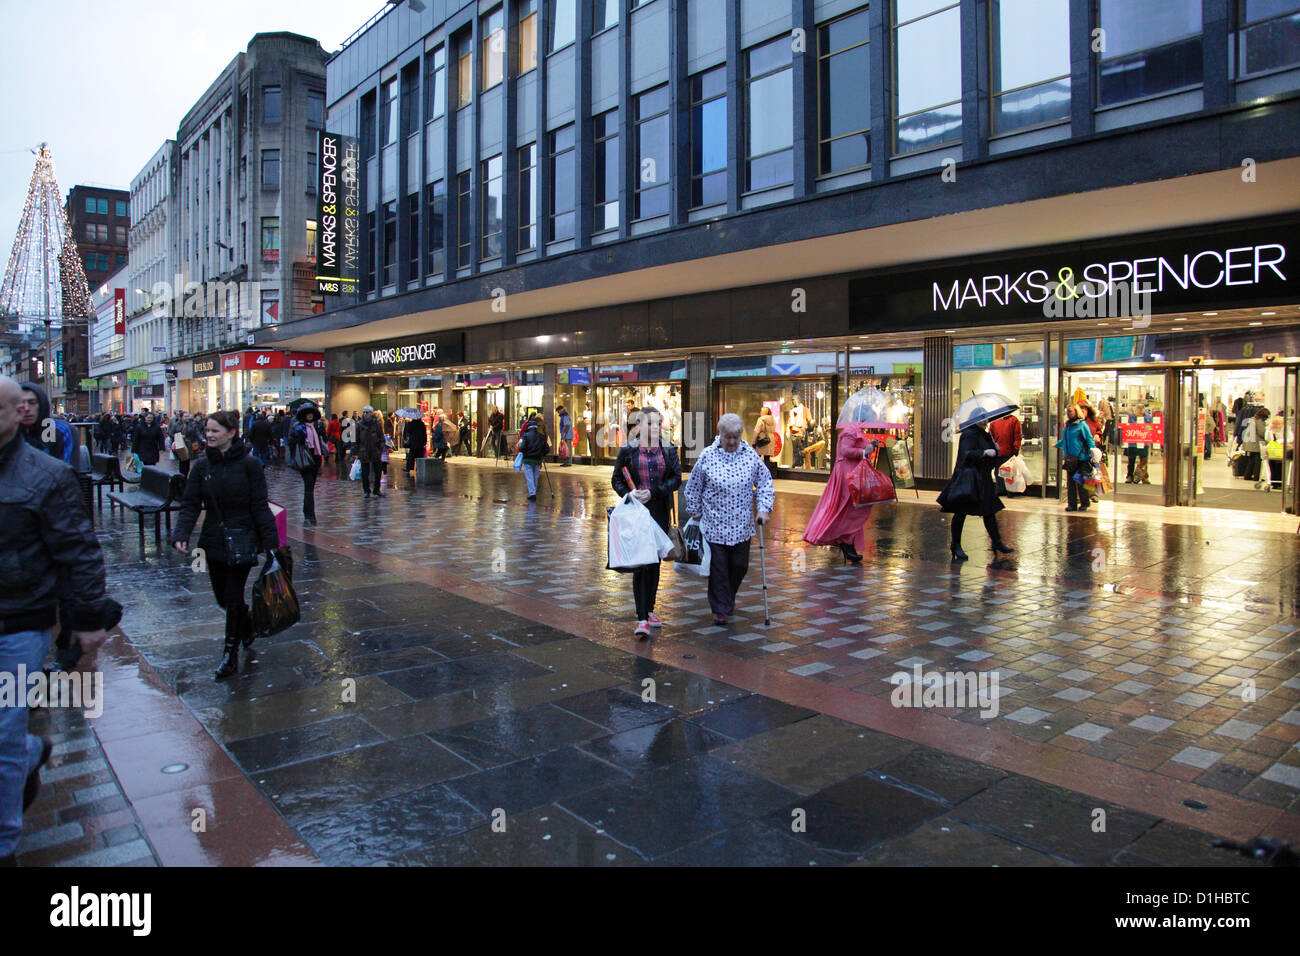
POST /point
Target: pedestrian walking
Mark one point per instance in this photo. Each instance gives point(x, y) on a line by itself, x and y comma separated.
point(496, 425)
point(104, 434)
point(976, 453)
point(441, 437)
point(334, 435)
point(657, 473)
point(261, 434)
point(34, 410)
point(180, 443)
point(51, 559)
point(465, 435)
point(230, 486)
point(534, 446)
point(309, 435)
point(147, 442)
point(416, 442)
point(1076, 445)
point(566, 436)
point(836, 520)
point(370, 450)
point(728, 481)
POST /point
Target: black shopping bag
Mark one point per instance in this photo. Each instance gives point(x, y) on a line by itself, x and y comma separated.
point(275, 602)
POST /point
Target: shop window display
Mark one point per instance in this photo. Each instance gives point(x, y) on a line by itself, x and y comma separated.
point(1014, 370)
point(801, 411)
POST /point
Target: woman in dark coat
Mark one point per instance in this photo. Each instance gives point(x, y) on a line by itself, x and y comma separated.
point(655, 469)
point(230, 484)
point(147, 442)
point(977, 451)
point(310, 433)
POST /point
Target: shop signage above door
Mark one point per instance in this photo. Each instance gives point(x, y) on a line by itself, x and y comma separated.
point(270, 359)
point(1242, 268)
point(426, 351)
point(137, 375)
point(205, 367)
point(338, 214)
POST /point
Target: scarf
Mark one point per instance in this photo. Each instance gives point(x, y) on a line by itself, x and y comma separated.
point(313, 440)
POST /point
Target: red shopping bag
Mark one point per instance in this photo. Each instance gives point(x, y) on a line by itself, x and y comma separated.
point(867, 486)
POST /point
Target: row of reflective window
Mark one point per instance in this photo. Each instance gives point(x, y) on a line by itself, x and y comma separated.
point(1142, 50)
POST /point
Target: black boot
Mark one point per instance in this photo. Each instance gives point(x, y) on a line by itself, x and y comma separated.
point(1001, 548)
point(850, 553)
point(957, 553)
point(229, 659)
point(246, 627)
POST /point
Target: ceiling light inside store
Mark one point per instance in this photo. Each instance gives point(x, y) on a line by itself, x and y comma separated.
point(1268, 313)
point(1176, 328)
point(1209, 313)
point(728, 346)
point(1257, 323)
point(857, 348)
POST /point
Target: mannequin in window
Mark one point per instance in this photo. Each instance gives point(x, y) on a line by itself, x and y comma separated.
point(797, 427)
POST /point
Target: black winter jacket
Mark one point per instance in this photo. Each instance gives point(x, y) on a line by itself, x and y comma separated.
point(46, 537)
point(416, 435)
point(370, 439)
point(237, 484)
point(147, 442)
point(661, 496)
point(534, 445)
point(975, 441)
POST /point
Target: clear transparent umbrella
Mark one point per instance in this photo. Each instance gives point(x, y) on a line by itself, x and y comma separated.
point(409, 413)
point(984, 407)
point(869, 407)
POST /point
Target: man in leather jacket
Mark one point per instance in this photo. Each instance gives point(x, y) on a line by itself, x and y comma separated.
point(45, 534)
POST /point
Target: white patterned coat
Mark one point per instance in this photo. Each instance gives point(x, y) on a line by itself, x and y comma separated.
point(722, 489)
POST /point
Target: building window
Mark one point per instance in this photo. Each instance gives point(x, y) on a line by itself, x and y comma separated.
point(490, 177)
point(435, 202)
point(270, 239)
point(492, 28)
point(652, 158)
point(843, 94)
point(464, 71)
point(563, 21)
point(90, 204)
point(270, 169)
point(120, 207)
point(606, 171)
point(1148, 51)
point(412, 237)
point(927, 74)
point(411, 100)
point(270, 104)
point(388, 113)
point(435, 102)
point(372, 256)
point(464, 235)
point(315, 108)
point(604, 14)
point(769, 115)
point(120, 235)
point(1031, 63)
point(120, 259)
point(101, 207)
point(1268, 36)
point(311, 239)
point(527, 35)
point(313, 173)
point(368, 116)
point(243, 242)
point(560, 175)
point(390, 243)
point(528, 197)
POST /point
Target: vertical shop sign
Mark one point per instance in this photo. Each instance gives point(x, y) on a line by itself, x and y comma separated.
point(338, 215)
point(119, 312)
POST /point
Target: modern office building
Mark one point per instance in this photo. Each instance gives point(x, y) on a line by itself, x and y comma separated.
point(150, 270)
point(100, 220)
point(737, 204)
point(243, 200)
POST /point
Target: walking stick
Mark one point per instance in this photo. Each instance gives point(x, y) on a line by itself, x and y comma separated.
point(546, 471)
point(762, 563)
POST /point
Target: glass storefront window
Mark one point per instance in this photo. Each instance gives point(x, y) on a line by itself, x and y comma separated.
point(623, 389)
point(804, 414)
point(1016, 371)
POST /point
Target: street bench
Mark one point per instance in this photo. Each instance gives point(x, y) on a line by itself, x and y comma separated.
point(159, 494)
point(105, 470)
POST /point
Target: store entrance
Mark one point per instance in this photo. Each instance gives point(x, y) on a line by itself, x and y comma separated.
point(1221, 437)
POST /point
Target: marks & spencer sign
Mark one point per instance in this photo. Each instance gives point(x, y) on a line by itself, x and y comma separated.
point(338, 215)
point(429, 351)
point(1242, 268)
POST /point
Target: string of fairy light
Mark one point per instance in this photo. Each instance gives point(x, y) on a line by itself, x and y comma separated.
point(44, 238)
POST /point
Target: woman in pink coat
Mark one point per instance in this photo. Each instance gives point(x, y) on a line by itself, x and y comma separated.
point(836, 520)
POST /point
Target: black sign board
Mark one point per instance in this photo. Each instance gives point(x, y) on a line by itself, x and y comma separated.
point(338, 214)
point(206, 367)
point(422, 351)
point(1139, 275)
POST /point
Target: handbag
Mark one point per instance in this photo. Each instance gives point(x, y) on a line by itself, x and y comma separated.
point(869, 486)
point(275, 606)
point(679, 546)
point(962, 493)
point(241, 543)
point(179, 449)
point(302, 458)
point(519, 462)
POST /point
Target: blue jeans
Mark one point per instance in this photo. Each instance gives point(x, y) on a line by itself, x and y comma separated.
point(530, 476)
point(19, 750)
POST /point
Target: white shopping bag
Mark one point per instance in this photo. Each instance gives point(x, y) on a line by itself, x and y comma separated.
point(1014, 474)
point(635, 538)
point(355, 472)
point(693, 538)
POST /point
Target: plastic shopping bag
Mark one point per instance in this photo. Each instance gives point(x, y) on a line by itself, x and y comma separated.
point(697, 549)
point(867, 486)
point(355, 473)
point(1014, 474)
point(275, 602)
point(519, 462)
point(635, 538)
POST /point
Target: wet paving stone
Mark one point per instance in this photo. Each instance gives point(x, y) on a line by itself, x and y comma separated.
point(1053, 820)
point(507, 737)
point(939, 775)
point(810, 755)
point(647, 748)
point(256, 754)
point(451, 676)
point(389, 827)
point(198, 688)
point(616, 709)
point(947, 842)
point(688, 693)
point(433, 713)
point(320, 669)
point(751, 715)
point(329, 785)
point(707, 797)
point(544, 836)
point(240, 718)
point(857, 814)
point(750, 844)
point(1171, 844)
point(528, 783)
